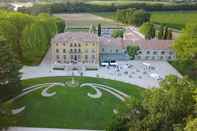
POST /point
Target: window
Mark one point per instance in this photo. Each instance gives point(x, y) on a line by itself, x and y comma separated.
point(86, 57)
point(71, 44)
point(147, 57)
point(64, 56)
point(64, 50)
point(116, 50)
point(57, 50)
point(139, 52)
point(155, 52)
point(57, 56)
point(93, 56)
point(72, 57)
point(148, 52)
point(169, 57)
point(56, 44)
point(71, 50)
point(170, 52)
point(161, 57)
point(64, 44)
point(103, 49)
point(58, 61)
point(75, 45)
point(79, 45)
point(79, 50)
point(75, 50)
point(163, 52)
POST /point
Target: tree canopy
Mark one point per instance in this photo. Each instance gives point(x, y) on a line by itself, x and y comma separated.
point(162, 109)
point(148, 30)
point(25, 33)
point(132, 16)
point(186, 45)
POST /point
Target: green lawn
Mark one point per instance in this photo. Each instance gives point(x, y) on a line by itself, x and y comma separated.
point(71, 107)
point(175, 19)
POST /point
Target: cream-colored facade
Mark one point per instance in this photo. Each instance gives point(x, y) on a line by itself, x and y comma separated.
point(75, 50)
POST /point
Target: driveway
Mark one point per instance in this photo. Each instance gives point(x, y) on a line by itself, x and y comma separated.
point(133, 72)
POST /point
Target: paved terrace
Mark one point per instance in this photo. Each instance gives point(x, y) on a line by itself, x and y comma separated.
point(133, 72)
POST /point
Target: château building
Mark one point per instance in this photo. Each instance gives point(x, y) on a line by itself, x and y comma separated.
point(77, 49)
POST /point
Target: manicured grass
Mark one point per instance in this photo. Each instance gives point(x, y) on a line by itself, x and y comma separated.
point(71, 107)
point(175, 19)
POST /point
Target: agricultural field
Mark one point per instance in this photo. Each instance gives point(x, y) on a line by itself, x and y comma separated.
point(72, 107)
point(122, 2)
point(84, 20)
point(174, 19)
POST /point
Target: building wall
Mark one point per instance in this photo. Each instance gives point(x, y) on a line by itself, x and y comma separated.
point(76, 52)
point(108, 53)
point(148, 54)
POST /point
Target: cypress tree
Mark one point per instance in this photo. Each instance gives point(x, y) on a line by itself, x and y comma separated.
point(165, 35)
point(169, 36)
point(161, 31)
point(99, 29)
point(9, 72)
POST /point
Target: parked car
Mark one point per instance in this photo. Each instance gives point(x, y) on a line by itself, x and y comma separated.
point(104, 63)
point(113, 63)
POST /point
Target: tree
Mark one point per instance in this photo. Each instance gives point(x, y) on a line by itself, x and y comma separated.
point(165, 34)
point(160, 33)
point(117, 33)
point(186, 45)
point(162, 109)
point(92, 29)
point(148, 30)
point(132, 51)
point(191, 125)
point(169, 34)
point(9, 72)
point(99, 30)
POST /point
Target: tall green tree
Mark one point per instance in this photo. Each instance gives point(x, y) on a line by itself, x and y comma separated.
point(162, 109)
point(99, 29)
point(161, 32)
point(9, 72)
point(148, 30)
point(132, 51)
point(186, 45)
point(117, 33)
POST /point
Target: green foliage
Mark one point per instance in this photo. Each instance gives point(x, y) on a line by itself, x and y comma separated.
point(9, 72)
point(148, 30)
point(186, 45)
point(117, 33)
point(191, 125)
point(99, 29)
point(7, 119)
point(25, 33)
point(132, 16)
point(162, 109)
point(132, 51)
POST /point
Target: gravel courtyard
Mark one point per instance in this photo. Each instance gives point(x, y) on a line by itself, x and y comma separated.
point(133, 72)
